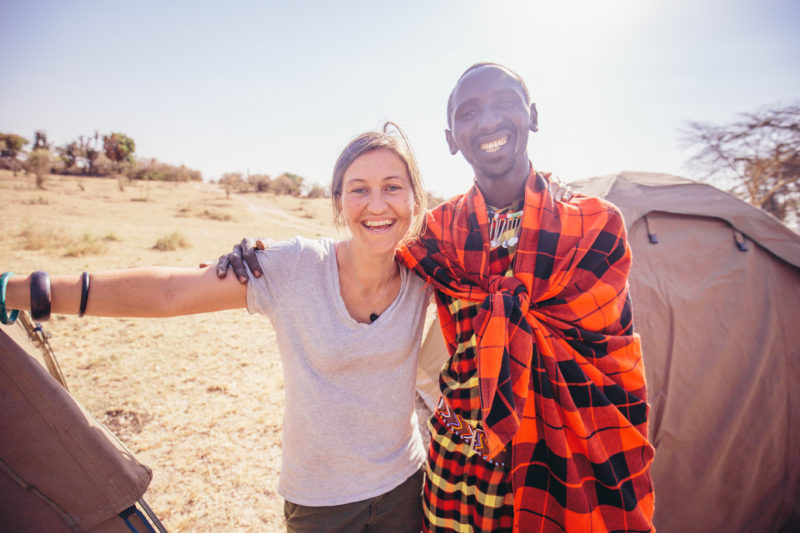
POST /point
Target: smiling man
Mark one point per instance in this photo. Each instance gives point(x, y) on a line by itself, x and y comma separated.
point(542, 423)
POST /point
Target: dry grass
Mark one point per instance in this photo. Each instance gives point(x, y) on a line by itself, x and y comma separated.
point(174, 241)
point(209, 211)
point(199, 399)
point(87, 244)
point(44, 237)
point(38, 237)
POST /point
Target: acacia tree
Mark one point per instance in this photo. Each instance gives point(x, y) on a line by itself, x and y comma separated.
point(90, 146)
point(71, 153)
point(119, 147)
point(757, 158)
point(82, 154)
point(11, 144)
point(40, 141)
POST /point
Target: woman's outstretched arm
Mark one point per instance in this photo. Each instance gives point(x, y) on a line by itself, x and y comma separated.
point(140, 292)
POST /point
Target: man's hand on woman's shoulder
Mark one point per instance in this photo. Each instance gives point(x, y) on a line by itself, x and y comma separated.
point(561, 191)
point(242, 254)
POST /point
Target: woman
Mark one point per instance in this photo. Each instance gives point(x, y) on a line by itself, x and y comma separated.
point(352, 452)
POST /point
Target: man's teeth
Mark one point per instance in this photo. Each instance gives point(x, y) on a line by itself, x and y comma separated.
point(494, 146)
point(377, 223)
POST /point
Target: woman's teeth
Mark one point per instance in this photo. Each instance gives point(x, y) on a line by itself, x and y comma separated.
point(377, 224)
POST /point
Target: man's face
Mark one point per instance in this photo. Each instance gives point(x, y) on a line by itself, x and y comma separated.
point(490, 122)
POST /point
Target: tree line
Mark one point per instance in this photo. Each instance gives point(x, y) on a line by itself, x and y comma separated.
point(756, 157)
point(88, 155)
point(114, 155)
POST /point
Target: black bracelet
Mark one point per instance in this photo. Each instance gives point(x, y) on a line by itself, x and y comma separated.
point(84, 293)
point(40, 296)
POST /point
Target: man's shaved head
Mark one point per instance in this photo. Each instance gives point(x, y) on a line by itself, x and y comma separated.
point(477, 66)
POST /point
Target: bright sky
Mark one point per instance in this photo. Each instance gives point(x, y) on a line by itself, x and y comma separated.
point(268, 87)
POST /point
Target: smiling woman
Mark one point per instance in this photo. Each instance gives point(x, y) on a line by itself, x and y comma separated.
point(389, 144)
point(377, 201)
point(352, 451)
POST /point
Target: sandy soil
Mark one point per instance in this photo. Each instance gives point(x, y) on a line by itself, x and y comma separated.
point(199, 399)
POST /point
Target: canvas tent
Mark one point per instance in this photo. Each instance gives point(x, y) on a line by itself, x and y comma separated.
point(715, 285)
point(60, 469)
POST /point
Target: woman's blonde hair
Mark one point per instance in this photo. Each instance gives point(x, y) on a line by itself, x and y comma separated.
point(396, 142)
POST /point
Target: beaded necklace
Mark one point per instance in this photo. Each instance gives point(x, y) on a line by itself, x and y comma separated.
point(504, 228)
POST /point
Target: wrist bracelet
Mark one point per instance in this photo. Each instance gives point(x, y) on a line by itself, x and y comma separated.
point(84, 293)
point(4, 318)
point(40, 296)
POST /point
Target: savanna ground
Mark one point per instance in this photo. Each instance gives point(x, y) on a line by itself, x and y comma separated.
point(199, 399)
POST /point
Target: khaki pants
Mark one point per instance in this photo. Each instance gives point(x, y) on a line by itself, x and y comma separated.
point(397, 511)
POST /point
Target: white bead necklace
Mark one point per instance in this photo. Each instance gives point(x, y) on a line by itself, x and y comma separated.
point(504, 228)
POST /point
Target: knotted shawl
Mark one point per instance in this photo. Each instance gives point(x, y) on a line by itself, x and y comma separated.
point(560, 369)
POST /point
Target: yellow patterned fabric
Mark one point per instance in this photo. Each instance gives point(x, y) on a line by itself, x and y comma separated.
point(483, 487)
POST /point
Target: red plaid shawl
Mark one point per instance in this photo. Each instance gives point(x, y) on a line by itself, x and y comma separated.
point(561, 372)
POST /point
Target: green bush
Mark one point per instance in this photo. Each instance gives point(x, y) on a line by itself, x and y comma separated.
point(119, 147)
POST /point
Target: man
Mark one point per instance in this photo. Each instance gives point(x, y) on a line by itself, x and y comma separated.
point(543, 420)
point(542, 424)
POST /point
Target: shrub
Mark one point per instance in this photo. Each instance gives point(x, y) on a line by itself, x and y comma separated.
point(12, 164)
point(102, 165)
point(216, 215)
point(287, 183)
point(260, 182)
point(39, 163)
point(317, 191)
point(233, 182)
point(211, 214)
point(157, 171)
point(38, 237)
point(88, 244)
point(173, 241)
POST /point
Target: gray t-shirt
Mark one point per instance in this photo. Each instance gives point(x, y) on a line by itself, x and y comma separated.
point(349, 430)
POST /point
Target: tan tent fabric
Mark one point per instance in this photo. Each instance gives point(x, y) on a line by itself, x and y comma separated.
point(60, 469)
point(720, 332)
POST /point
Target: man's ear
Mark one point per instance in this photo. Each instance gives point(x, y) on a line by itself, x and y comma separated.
point(534, 118)
point(451, 142)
